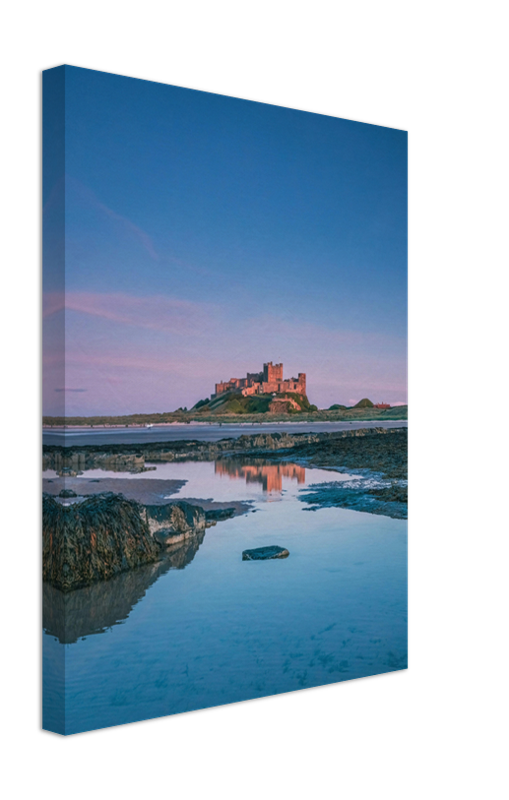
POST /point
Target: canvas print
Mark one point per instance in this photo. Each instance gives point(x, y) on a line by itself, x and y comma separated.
point(224, 400)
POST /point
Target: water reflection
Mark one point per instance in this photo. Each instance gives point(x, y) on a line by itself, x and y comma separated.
point(93, 609)
point(253, 470)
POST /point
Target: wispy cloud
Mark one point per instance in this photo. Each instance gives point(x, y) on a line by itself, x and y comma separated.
point(88, 195)
point(156, 312)
point(52, 302)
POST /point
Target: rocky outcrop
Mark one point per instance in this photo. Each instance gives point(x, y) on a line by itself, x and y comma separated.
point(282, 405)
point(172, 523)
point(133, 458)
point(105, 535)
point(265, 553)
point(216, 515)
point(93, 540)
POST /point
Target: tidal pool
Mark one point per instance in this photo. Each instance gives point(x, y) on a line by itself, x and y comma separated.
point(161, 641)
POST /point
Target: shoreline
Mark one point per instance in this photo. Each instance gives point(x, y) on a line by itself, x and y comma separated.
point(201, 423)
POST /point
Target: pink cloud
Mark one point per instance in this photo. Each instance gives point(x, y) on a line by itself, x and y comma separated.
point(157, 312)
point(52, 302)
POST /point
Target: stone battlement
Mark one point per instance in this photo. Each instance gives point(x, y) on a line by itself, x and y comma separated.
point(268, 381)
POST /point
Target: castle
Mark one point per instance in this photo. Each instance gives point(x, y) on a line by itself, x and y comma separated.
point(268, 381)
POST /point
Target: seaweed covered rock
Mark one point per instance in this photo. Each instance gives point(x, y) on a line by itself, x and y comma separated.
point(93, 540)
point(219, 514)
point(174, 522)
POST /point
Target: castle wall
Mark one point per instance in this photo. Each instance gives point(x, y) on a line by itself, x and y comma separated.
point(250, 390)
point(268, 381)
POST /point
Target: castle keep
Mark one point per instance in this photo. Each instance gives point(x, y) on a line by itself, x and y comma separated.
point(268, 381)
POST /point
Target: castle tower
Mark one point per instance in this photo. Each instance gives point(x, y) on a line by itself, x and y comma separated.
point(278, 372)
point(272, 373)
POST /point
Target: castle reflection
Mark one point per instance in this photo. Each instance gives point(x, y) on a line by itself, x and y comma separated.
point(269, 475)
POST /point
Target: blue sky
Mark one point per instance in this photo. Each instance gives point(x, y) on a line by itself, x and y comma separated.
point(205, 235)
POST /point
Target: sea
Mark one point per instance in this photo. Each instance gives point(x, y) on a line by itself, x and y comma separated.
point(215, 629)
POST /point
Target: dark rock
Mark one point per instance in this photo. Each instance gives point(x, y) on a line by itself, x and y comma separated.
point(264, 553)
point(359, 495)
point(174, 522)
point(106, 534)
point(93, 540)
point(67, 493)
point(219, 514)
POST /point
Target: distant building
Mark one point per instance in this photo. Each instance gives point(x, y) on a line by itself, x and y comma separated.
point(381, 405)
point(268, 381)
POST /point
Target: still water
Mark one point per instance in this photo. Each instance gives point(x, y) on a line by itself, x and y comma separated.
point(161, 640)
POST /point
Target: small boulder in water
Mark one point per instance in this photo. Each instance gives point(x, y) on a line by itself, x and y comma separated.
point(264, 553)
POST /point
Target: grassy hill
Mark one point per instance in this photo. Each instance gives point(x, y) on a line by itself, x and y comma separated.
point(364, 403)
point(236, 403)
point(228, 407)
point(225, 416)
